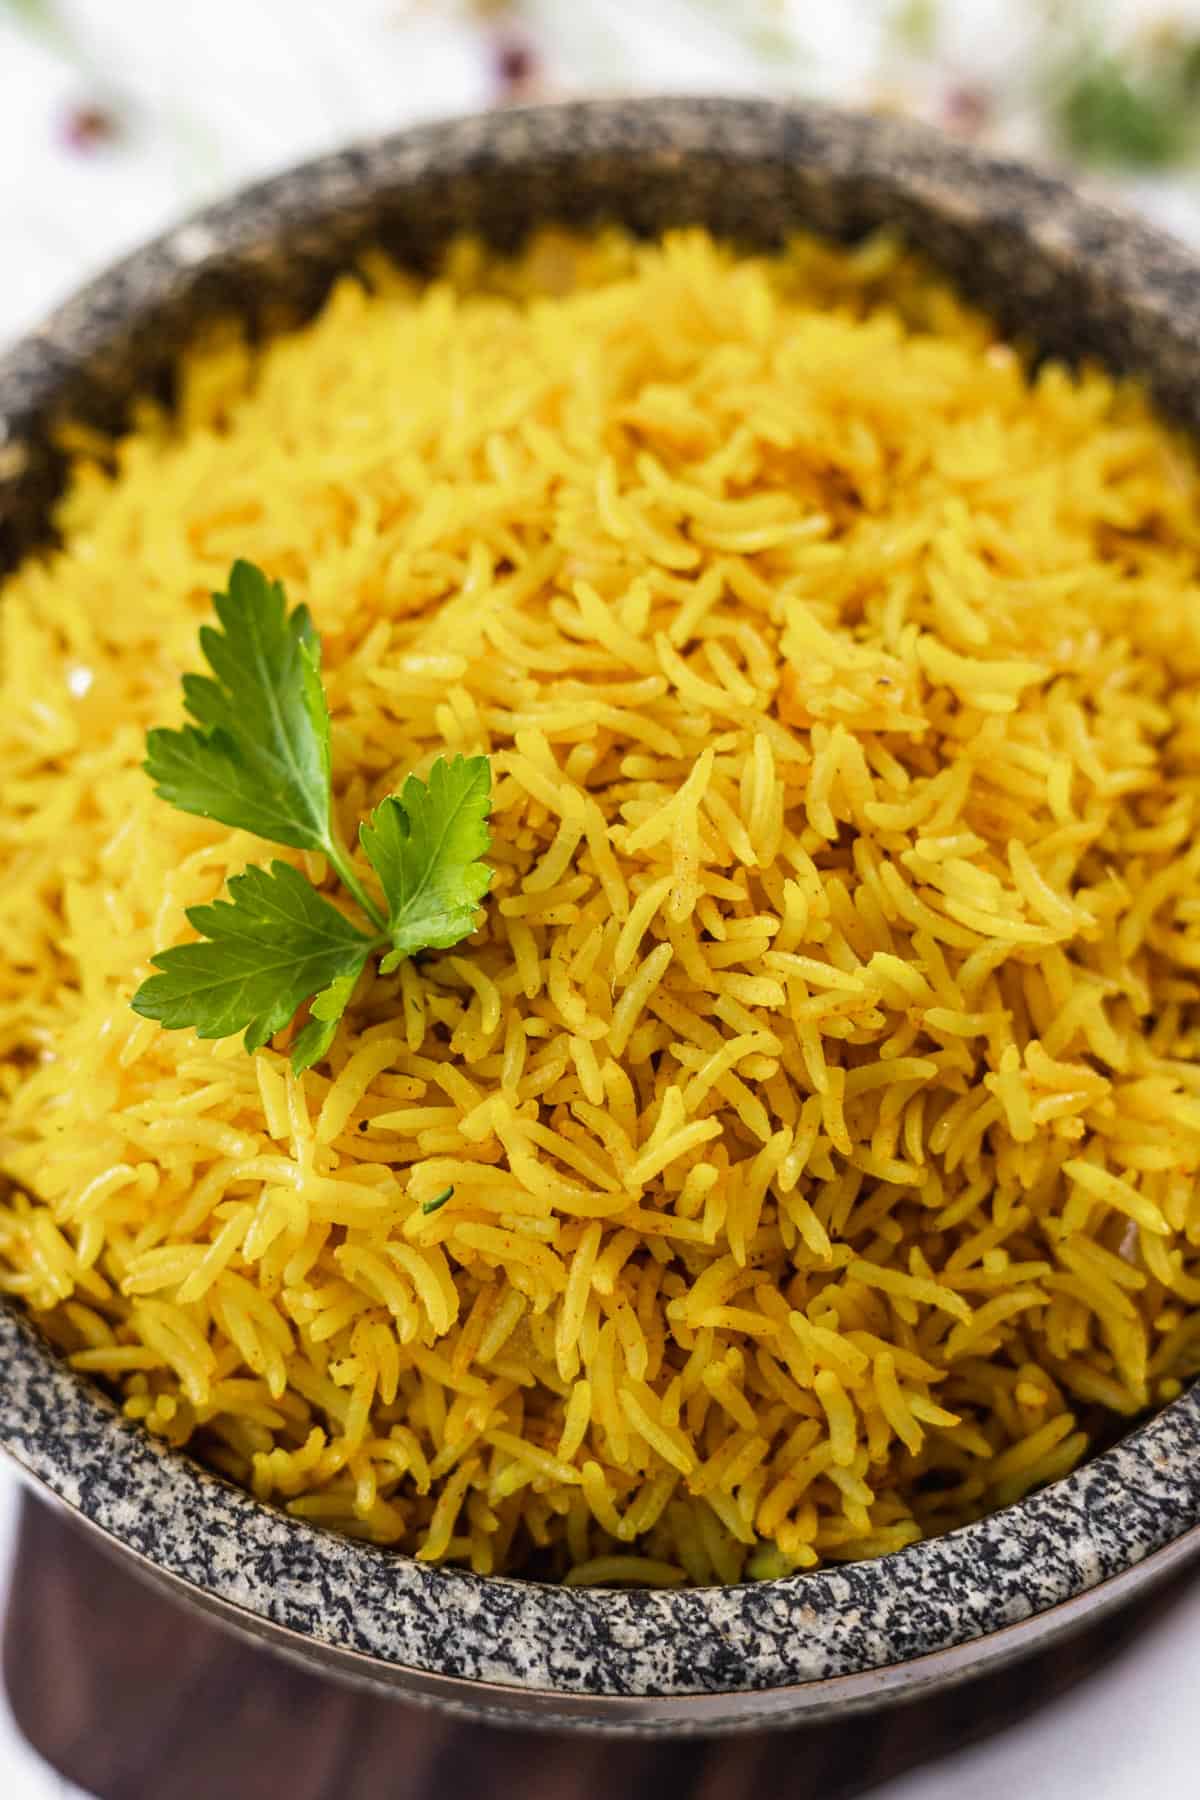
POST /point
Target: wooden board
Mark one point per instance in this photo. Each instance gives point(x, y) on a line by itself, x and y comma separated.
point(131, 1697)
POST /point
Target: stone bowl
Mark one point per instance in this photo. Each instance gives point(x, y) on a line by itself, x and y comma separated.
point(1061, 273)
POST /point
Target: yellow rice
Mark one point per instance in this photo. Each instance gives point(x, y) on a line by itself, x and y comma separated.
point(820, 1091)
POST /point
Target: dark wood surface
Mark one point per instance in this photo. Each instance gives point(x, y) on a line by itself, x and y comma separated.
point(129, 1696)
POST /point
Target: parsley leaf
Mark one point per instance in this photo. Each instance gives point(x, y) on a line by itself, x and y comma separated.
point(438, 1201)
point(425, 844)
point(261, 954)
point(325, 1015)
point(257, 757)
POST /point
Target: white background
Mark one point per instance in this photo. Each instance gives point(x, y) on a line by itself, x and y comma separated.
point(202, 97)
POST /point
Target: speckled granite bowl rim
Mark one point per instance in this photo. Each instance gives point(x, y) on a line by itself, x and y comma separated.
point(643, 1656)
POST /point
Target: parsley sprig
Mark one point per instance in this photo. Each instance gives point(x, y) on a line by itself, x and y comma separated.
point(257, 757)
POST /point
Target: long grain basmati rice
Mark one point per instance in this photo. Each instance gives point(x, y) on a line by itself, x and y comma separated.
point(820, 1093)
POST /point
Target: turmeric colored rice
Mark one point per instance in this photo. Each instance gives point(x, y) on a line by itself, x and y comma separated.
point(820, 1091)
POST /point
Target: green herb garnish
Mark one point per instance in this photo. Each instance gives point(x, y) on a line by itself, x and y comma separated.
point(257, 758)
point(438, 1201)
point(1143, 116)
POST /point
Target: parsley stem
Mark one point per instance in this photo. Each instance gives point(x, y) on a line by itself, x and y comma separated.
point(336, 852)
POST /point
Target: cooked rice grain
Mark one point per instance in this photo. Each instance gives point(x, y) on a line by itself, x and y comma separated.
point(820, 1092)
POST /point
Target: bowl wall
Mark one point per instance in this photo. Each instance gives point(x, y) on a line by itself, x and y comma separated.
point(1065, 275)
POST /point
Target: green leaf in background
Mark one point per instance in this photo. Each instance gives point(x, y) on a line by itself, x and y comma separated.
point(38, 14)
point(1189, 69)
point(914, 23)
point(1143, 117)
